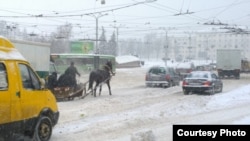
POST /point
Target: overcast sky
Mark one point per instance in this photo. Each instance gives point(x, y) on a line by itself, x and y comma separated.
point(132, 17)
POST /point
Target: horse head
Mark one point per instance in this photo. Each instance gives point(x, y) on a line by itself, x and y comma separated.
point(109, 67)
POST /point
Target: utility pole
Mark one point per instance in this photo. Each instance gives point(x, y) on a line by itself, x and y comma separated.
point(166, 49)
point(166, 46)
point(189, 47)
point(97, 16)
point(117, 39)
point(96, 59)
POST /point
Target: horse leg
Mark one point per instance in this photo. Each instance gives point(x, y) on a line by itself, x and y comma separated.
point(100, 90)
point(95, 88)
point(91, 90)
point(109, 87)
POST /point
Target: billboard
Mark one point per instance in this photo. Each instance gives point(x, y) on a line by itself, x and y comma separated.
point(82, 47)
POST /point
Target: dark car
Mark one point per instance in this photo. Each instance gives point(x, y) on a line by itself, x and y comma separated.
point(162, 76)
point(202, 81)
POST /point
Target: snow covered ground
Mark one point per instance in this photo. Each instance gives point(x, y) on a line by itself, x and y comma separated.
point(135, 112)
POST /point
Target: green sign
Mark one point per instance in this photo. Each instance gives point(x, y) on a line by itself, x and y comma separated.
point(82, 47)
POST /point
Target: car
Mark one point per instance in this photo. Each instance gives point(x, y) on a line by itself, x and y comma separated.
point(202, 81)
point(162, 76)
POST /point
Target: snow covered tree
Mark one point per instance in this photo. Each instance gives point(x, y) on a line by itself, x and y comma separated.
point(103, 42)
point(112, 45)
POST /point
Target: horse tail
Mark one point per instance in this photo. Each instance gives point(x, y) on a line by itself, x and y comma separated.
point(91, 80)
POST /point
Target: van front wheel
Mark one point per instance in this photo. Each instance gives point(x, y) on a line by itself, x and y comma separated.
point(43, 129)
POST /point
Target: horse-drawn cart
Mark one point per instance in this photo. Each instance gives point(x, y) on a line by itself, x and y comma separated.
point(69, 93)
point(66, 88)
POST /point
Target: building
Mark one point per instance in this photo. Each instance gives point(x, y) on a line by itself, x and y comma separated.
point(203, 45)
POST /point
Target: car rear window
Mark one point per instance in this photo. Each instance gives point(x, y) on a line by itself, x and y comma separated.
point(159, 70)
point(153, 70)
point(197, 75)
point(162, 70)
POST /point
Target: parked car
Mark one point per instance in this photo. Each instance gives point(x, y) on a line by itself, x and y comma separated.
point(202, 81)
point(162, 76)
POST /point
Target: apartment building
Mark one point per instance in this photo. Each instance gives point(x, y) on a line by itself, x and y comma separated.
point(203, 45)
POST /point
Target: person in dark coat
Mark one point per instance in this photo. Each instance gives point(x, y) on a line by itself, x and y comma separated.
point(52, 81)
point(71, 72)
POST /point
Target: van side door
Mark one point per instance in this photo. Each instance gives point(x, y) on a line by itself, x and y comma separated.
point(31, 92)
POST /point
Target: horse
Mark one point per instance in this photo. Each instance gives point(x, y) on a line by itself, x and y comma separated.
point(101, 76)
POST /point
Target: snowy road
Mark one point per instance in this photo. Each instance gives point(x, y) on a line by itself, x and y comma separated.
point(133, 108)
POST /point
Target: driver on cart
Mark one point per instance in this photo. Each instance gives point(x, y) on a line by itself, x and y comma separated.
point(71, 72)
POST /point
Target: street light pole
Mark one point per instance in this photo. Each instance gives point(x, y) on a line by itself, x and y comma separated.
point(96, 59)
point(166, 49)
point(117, 39)
point(166, 46)
point(96, 36)
point(96, 20)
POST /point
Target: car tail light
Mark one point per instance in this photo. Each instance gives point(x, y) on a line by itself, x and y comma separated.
point(207, 83)
point(184, 83)
point(167, 77)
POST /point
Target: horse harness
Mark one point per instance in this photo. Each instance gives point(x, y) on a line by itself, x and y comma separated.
point(110, 72)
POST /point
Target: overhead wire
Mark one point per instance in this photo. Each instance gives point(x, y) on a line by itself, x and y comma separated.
point(74, 15)
point(69, 15)
point(124, 21)
point(226, 8)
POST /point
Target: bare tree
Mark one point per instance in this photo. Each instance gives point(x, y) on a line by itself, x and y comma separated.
point(60, 39)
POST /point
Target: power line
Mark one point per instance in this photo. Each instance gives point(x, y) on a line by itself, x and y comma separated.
point(226, 8)
point(84, 14)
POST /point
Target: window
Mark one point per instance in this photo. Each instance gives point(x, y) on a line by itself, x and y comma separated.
point(29, 79)
point(205, 76)
point(3, 77)
point(171, 71)
point(154, 71)
point(162, 70)
point(197, 75)
point(214, 76)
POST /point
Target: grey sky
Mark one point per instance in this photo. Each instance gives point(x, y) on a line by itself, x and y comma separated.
point(133, 20)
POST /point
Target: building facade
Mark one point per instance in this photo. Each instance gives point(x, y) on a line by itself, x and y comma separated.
point(203, 45)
